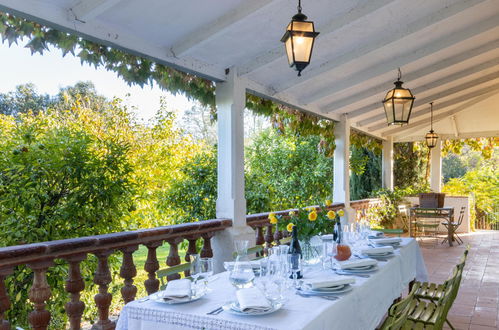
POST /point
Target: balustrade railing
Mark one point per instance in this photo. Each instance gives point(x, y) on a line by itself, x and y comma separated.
point(39, 257)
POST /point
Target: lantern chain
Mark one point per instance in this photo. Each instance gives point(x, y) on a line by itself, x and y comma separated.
point(299, 6)
point(431, 116)
point(400, 75)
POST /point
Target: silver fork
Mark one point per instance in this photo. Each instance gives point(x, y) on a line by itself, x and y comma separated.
point(216, 311)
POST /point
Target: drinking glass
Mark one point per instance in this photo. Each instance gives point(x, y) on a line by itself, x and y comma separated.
point(206, 270)
point(195, 270)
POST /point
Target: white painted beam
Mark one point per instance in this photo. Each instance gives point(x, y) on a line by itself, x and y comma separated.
point(48, 14)
point(215, 28)
point(267, 57)
point(422, 102)
point(391, 36)
point(436, 167)
point(416, 125)
point(387, 164)
point(454, 125)
point(384, 87)
point(469, 135)
point(85, 10)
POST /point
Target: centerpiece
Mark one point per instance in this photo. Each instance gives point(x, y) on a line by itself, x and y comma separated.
point(310, 221)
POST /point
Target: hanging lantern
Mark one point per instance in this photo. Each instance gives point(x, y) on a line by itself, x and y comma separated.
point(431, 137)
point(398, 104)
point(299, 40)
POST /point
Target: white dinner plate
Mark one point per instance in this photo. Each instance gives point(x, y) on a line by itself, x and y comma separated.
point(339, 289)
point(382, 254)
point(158, 298)
point(233, 308)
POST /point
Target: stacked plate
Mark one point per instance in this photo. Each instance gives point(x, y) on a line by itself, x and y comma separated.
point(378, 253)
point(376, 234)
point(357, 266)
point(389, 241)
point(233, 307)
point(328, 287)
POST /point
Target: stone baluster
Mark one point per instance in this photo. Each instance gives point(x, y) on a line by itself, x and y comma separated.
point(103, 299)
point(128, 272)
point(206, 251)
point(173, 258)
point(151, 266)
point(259, 238)
point(4, 299)
point(39, 293)
point(74, 285)
point(269, 238)
point(191, 249)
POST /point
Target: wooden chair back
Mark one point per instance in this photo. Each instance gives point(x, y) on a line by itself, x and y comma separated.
point(399, 312)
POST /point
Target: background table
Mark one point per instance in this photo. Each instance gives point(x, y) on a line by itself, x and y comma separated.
point(446, 213)
point(362, 308)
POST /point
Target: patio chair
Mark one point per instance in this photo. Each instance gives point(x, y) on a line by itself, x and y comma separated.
point(398, 313)
point(454, 226)
point(427, 228)
point(404, 216)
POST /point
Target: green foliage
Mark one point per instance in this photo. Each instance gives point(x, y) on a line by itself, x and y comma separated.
point(410, 161)
point(59, 180)
point(279, 162)
point(367, 180)
point(452, 167)
point(481, 184)
point(25, 98)
point(484, 145)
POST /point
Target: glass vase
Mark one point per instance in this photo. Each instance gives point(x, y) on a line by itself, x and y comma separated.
point(311, 253)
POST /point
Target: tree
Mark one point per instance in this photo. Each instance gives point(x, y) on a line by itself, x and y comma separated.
point(367, 179)
point(25, 98)
point(452, 167)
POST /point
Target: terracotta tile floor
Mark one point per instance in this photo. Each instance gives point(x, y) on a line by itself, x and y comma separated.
point(476, 306)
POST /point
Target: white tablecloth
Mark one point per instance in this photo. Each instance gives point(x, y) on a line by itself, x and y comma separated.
point(362, 308)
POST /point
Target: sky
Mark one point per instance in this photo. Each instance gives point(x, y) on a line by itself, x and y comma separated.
point(51, 71)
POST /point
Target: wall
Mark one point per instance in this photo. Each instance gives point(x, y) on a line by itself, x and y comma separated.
point(456, 202)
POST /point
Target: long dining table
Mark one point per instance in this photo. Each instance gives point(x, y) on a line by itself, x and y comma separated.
point(362, 308)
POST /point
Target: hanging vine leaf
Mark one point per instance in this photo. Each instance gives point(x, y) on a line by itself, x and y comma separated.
point(136, 70)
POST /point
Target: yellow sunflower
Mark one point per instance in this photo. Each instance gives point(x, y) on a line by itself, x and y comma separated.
point(312, 216)
point(331, 215)
point(289, 227)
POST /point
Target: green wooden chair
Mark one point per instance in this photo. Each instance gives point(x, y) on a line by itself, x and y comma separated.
point(399, 313)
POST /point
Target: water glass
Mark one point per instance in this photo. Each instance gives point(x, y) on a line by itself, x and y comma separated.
point(195, 270)
point(206, 270)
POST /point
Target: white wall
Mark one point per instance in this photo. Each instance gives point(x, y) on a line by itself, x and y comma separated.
point(456, 202)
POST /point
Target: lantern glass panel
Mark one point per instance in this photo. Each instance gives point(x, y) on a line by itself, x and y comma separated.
point(431, 139)
point(289, 51)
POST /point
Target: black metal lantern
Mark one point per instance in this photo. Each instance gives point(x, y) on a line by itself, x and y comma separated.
point(431, 137)
point(398, 104)
point(299, 40)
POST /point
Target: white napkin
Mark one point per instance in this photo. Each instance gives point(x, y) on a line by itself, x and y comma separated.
point(229, 265)
point(314, 284)
point(355, 263)
point(252, 300)
point(377, 250)
point(178, 290)
point(388, 240)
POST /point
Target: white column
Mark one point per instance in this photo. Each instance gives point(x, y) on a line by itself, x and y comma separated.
point(387, 164)
point(231, 203)
point(341, 181)
point(436, 167)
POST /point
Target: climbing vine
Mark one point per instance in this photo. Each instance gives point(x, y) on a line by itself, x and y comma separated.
point(136, 70)
point(484, 145)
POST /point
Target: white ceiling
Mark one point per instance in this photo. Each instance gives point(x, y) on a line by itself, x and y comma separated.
point(448, 51)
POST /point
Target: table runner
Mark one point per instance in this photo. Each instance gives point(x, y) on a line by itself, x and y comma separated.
point(362, 308)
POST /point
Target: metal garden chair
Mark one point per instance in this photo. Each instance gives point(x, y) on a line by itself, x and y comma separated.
point(454, 226)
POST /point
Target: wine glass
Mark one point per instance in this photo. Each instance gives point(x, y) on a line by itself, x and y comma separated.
point(205, 270)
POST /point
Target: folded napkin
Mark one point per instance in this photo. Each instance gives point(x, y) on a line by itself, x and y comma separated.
point(252, 300)
point(377, 250)
point(178, 290)
point(327, 237)
point(356, 263)
point(376, 234)
point(229, 265)
point(314, 284)
point(388, 240)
